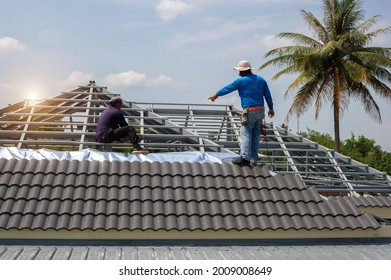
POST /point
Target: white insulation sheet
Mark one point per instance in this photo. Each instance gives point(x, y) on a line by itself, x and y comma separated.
point(91, 154)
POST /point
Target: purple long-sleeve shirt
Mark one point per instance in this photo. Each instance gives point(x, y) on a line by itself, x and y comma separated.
point(110, 119)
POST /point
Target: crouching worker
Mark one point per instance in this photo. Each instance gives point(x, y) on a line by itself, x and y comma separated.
point(112, 126)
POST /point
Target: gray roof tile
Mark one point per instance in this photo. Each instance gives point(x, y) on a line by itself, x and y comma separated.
point(128, 207)
point(367, 201)
point(42, 194)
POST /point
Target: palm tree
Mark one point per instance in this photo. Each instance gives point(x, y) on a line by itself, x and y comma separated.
point(337, 65)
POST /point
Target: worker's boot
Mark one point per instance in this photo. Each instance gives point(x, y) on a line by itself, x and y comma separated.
point(241, 161)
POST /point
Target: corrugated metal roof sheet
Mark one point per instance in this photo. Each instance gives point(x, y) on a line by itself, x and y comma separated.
point(42, 194)
point(256, 250)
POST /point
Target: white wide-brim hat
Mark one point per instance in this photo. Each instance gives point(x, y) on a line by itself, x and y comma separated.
point(243, 66)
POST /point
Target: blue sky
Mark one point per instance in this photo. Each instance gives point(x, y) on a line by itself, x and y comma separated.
point(163, 51)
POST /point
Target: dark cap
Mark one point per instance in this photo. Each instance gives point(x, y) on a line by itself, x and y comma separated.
point(116, 100)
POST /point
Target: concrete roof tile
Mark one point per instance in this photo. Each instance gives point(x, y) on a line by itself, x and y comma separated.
point(93, 195)
point(369, 201)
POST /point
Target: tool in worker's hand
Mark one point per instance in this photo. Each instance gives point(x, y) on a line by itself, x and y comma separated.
point(264, 133)
point(263, 130)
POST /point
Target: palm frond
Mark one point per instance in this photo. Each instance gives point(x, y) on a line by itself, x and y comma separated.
point(330, 48)
point(316, 25)
point(281, 61)
point(362, 94)
point(341, 17)
point(380, 88)
point(293, 50)
point(378, 50)
point(328, 8)
point(300, 80)
point(366, 25)
point(300, 39)
point(368, 57)
point(321, 95)
point(371, 74)
point(350, 15)
point(304, 97)
point(288, 70)
point(373, 34)
point(359, 89)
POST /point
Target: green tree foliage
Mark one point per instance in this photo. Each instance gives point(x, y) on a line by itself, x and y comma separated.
point(323, 139)
point(366, 151)
point(337, 64)
point(361, 149)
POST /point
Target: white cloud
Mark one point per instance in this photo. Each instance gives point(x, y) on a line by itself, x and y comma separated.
point(160, 80)
point(75, 79)
point(171, 9)
point(134, 79)
point(216, 29)
point(128, 79)
point(8, 44)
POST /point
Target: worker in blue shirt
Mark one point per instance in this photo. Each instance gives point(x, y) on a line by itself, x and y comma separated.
point(253, 90)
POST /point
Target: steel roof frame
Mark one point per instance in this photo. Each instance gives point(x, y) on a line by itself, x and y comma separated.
point(68, 121)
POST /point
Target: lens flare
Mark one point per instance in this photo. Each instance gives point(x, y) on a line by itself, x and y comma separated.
point(32, 94)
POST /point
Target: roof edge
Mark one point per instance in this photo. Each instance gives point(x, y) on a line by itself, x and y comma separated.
point(382, 212)
point(51, 234)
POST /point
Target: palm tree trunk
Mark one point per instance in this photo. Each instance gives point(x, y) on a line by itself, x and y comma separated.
point(336, 129)
point(336, 105)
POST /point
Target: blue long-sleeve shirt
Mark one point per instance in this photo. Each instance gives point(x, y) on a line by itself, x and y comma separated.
point(253, 89)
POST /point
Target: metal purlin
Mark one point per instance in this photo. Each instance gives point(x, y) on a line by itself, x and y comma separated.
point(200, 139)
point(84, 129)
point(231, 123)
point(26, 126)
point(285, 150)
point(341, 174)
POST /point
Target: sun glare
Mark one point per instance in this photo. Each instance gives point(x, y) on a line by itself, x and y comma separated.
point(32, 94)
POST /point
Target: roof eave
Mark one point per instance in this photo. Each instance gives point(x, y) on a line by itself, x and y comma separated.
point(381, 212)
point(51, 234)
